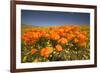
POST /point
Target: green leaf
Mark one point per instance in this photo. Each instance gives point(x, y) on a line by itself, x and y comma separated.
point(37, 55)
point(54, 56)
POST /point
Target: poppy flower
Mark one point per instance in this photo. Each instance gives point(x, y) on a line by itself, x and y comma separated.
point(82, 38)
point(61, 30)
point(58, 47)
point(45, 52)
point(54, 36)
point(24, 38)
point(33, 51)
point(47, 35)
point(63, 41)
point(70, 37)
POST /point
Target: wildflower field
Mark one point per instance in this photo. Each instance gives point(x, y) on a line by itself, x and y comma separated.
point(55, 43)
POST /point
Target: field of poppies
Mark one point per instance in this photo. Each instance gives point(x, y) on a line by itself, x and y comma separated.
point(55, 43)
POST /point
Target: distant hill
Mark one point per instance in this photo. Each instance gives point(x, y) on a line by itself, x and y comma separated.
point(34, 26)
point(26, 25)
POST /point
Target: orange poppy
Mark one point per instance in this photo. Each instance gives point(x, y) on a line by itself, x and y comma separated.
point(63, 34)
point(63, 41)
point(35, 35)
point(58, 47)
point(61, 30)
point(24, 38)
point(45, 52)
point(76, 28)
point(68, 29)
point(33, 51)
point(70, 37)
point(54, 36)
point(84, 33)
point(47, 35)
point(76, 33)
point(82, 38)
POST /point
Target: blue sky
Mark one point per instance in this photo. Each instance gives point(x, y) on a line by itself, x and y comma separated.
point(50, 18)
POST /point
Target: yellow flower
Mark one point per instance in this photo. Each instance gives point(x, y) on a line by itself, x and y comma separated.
point(76, 40)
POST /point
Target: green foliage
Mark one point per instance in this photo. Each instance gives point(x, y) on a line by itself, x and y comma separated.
point(42, 42)
point(35, 56)
point(54, 56)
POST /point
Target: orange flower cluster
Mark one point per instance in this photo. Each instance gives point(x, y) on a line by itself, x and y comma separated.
point(45, 52)
point(62, 34)
point(32, 35)
point(82, 39)
point(53, 43)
